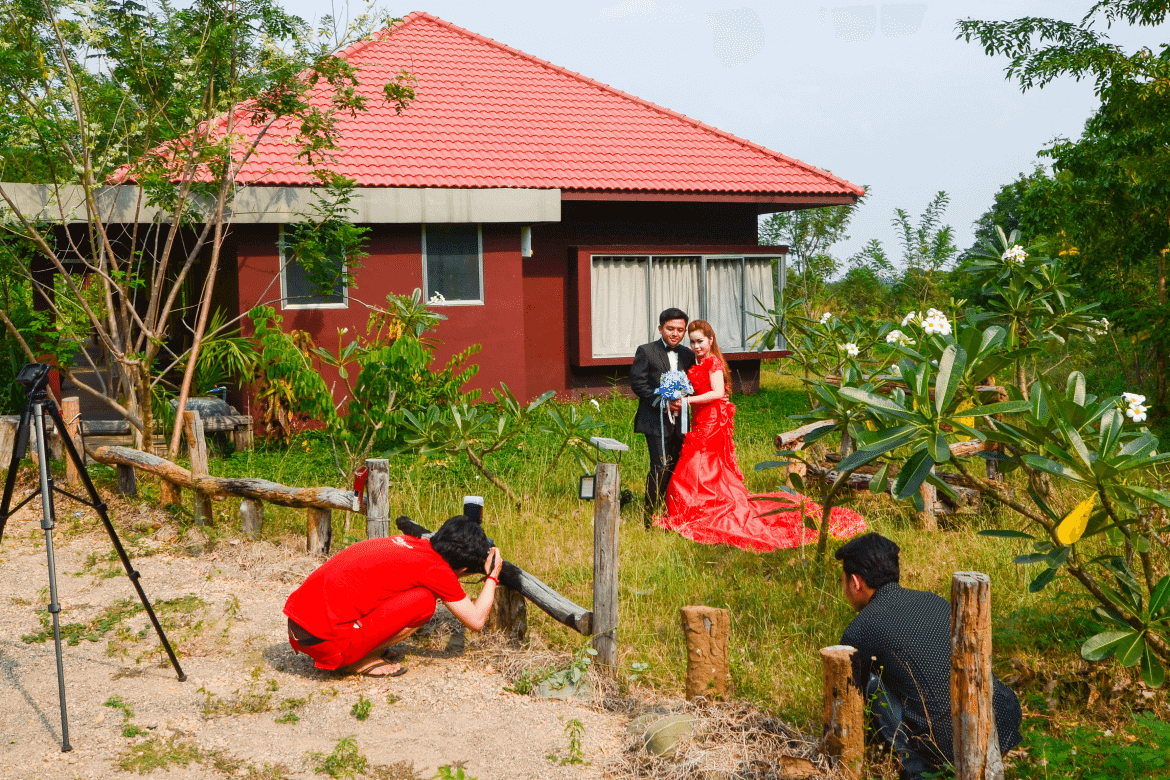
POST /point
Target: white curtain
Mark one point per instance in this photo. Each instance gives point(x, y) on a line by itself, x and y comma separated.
point(620, 316)
point(761, 287)
point(725, 301)
point(674, 283)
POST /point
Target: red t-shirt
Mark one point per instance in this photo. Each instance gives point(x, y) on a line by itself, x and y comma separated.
point(353, 583)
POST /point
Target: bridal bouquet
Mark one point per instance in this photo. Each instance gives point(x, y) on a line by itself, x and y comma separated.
point(673, 386)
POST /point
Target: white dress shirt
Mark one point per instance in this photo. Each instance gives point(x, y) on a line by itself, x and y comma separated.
point(671, 356)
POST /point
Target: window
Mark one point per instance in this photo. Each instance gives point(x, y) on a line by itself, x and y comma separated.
point(628, 292)
point(453, 263)
point(298, 292)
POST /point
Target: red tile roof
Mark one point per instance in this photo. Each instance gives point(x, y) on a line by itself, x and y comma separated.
point(487, 115)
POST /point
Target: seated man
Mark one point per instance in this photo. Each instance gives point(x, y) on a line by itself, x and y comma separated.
point(376, 593)
point(903, 638)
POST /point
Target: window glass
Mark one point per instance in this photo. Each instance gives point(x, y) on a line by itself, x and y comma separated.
point(452, 263)
point(301, 293)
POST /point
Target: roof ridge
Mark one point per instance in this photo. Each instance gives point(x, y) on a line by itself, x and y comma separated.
point(417, 15)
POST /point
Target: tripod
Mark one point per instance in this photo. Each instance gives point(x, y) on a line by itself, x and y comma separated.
point(34, 377)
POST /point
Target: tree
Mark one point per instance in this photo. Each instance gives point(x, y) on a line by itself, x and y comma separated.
point(927, 248)
point(809, 234)
point(1106, 208)
point(102, 95)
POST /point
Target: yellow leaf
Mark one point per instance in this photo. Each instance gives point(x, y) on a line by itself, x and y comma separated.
point(1072, 527)
point(968, 421)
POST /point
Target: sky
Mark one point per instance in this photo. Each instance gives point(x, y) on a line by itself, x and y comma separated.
point(881, 94)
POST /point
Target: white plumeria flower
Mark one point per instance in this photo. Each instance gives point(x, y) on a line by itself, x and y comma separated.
point(596, 405)
point(937, 323)
point(911, 317)
point(437, 297)
point(934, 313)
point(898, 337)
point(1133, 398)
point(1137, 413)
point(826, 317)
point(851, 349)
point(1015, 255)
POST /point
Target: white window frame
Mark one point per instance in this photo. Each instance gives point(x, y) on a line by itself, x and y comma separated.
point(428, 292)
point(778, 280)
point(286, 306)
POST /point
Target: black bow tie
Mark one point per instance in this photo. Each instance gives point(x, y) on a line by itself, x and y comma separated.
point(672, 349)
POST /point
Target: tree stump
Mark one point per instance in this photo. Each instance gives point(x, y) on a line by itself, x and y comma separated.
point(71, 413)
point(251, 517)
point(127, 480)
point(972, 716)
point(708, 671)
point(378, 498)
point(509, 615)
point(197, 445)
point(606, 514)
point(844, 715)
point(320, 530)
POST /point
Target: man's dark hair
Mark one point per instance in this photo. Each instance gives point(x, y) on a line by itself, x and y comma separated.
point(672, 314)
point(462, 543)
point(873, 557)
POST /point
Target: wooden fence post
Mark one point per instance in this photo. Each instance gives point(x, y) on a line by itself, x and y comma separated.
point(844, 715)
point(378, 498)
point(972, 716)
point(8, 424)
point(197, 445)
point(706, 630)
point(606, 514)
point(926, 518)
point(509, 614)
point(251, 517)
point(71, 413)
point(320, 530)
point(242, 435)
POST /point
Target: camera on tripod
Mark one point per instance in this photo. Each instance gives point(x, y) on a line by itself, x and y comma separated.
point(34, 377)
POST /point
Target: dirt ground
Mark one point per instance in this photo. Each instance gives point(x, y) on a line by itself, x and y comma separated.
point(221, 607)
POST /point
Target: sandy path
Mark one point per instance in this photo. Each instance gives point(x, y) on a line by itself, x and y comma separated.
point(450, 707)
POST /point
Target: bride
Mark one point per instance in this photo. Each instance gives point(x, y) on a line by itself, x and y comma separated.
point(706, 500)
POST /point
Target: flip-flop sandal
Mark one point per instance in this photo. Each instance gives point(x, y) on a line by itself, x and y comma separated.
point(393, 656)
point(381, 665)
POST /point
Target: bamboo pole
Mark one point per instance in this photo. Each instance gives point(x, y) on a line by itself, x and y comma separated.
point(844, 722)
point(378, 498)
point(197, 446)
point(259, 489)
point(606, 513)
point(973, 718)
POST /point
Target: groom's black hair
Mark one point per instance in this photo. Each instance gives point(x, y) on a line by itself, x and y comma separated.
point(462, 543)
point(873, 557)
point(672, 314)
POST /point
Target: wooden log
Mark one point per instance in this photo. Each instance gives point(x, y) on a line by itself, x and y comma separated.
point(71, 414)
point(377, 498)
point(926, 518)
point(972, 716)
point(606, 514)
point(509, 614)
point(127, 480)
point(251, 517)
point(512, 576)
point(197, 446)
point(242, 433)
point(259, 489)
point(788, 440)
point(320, 530)
point(706, 630)
point(844, 714)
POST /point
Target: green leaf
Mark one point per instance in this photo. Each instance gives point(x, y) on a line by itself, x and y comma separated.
point(1159, 596)
point(1030, 558)
point(880, 482)
point(939, 450)
point(1130, 649)
point(1152, 672)
point(950, 369)
point(872, 452)
point(772, 464)
point(1005, 407)
point(883, 405)
point(1042, 580)
point(912, 475)
point(1004, 533)
point(1103, 645)
point(796, 481)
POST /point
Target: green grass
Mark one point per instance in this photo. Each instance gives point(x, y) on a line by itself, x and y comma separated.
point(784, 606)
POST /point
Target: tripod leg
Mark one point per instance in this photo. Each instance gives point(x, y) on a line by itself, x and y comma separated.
point(18, 445)
point(100, 506)
point(48, 520)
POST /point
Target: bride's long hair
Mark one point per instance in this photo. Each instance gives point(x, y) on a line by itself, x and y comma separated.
point(705, 328)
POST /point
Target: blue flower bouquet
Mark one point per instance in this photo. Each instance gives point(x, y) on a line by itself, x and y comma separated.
point(673, 386)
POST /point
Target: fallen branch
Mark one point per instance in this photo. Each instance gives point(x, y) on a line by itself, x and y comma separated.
point(259, 489)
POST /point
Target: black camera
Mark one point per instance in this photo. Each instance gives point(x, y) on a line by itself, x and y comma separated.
point(33, 377)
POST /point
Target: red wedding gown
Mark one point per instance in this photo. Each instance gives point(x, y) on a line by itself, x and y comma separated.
point(707, 501)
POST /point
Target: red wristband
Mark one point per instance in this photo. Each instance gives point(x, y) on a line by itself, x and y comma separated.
point(493, 579)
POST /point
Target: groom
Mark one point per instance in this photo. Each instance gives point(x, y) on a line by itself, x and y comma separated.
point(650, 362)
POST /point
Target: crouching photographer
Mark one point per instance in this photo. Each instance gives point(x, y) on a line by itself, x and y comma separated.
point(373, 594)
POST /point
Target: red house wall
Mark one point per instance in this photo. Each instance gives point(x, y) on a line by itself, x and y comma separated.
point(526, 322)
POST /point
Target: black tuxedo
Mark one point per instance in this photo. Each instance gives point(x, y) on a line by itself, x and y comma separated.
point(650, 363)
